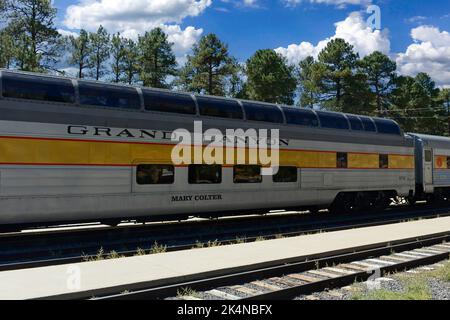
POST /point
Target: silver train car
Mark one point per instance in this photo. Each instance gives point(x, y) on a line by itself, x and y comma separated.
point(84, 151)
point(432, 167)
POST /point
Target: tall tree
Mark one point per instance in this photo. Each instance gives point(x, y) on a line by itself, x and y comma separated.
point(236, 82)
point(270, 79)
point(7, 49)
point(99, 42)
point(80, 52)
point(415, 105)
point(380, 72)
point(444, 97)
point(185, 78)
point(117, 55)
point(339, 60)
point(309, 75)
point(23, 56)
point(209, 67)
point(157, 58)
point(34, 19)
point(130, 62)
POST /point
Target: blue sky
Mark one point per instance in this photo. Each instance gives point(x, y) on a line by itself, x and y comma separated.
point(413, 32)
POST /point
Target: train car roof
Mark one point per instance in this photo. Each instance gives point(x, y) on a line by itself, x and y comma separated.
point(433, 141)
point(211, 107)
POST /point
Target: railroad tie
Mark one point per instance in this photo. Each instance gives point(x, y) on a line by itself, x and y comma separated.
point(408, 255)
point(222, 295)
point(266, 286)
point(245, 290)
point(379, 261)
point(430, 251)
point(189, 298)
point(323, 273)
point(302, 277)
point(352, 266)
point(338, 270)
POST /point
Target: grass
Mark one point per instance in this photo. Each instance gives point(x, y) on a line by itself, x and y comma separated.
point(442, 273)
point(212, 244)
point(187, 292)
point(198, 245)
point(102, 255)
point(415, 288)
point(156, 248)
point(140, 252)
point(240, 240)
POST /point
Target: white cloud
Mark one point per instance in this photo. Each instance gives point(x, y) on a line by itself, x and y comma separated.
point(429, 53)
point(416, 19)
point(131, 14)
point(67, 33)
point(133, 17)
point(338, 3)
point(353, 29)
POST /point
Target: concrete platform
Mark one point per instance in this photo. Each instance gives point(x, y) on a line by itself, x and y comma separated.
point(88, 279)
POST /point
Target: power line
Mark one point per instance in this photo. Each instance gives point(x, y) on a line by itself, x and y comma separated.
point(416, 109)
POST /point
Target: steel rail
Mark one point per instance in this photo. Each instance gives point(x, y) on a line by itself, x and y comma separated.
point(286, 267)
point(299, 225)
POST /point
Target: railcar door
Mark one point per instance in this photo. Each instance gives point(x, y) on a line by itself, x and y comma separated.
point(428, 167)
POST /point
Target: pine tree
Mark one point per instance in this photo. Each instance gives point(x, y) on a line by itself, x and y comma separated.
point(117, 55)
point(130, 62)
point(157, 59)
point(339, 61)
point(208, 68)
point(415, 105)
point(99, 42)
point(80, 52)
point(444, 97)
point(34, 20)
point(380, 72)
point(7, 49)
point(309, 76)
point(270, 79)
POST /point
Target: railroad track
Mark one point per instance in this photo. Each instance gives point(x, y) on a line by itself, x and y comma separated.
point(29, 250)
point(287, 281)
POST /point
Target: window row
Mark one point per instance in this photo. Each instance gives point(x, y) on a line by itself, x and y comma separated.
point(24, 86)
point(148, 174)
point(342, 161)
point(151, 174)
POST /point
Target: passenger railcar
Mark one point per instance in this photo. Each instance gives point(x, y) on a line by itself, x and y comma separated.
point(432, 167)
point(76, 150)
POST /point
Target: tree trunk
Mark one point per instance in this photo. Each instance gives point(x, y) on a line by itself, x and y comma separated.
point(379, 106)
point(210, 80)
point(338, 94)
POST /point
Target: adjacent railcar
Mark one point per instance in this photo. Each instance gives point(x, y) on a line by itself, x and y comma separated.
point(432, 167)
point(76, 150)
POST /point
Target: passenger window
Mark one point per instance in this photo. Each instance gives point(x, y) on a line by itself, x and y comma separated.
point(384, 161)
point(342, 160)
point(93, 94)
point(221, 108)
point(332, 120)
point(21, 86)
point(428, 156)
point(285, 175)
point(205, 174)
point(261, 112)
point(148, 174)
point(247, 174)
point(302, 117)
point(355, 123)
point(448, 162)
point(387, 126)
point(168, 102)
point(368, 124)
